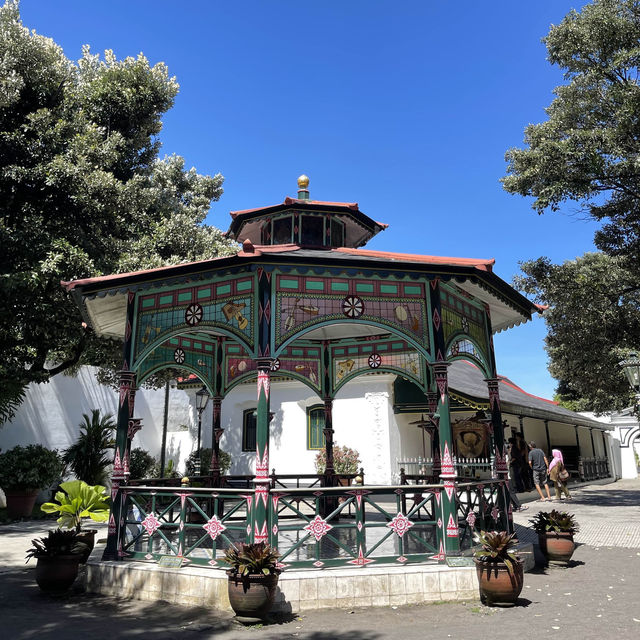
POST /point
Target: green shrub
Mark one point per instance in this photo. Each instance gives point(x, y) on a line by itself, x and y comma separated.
point(30, 467)
point(224, 460)
point(141, 464)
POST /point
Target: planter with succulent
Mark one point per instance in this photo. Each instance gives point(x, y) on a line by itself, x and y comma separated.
point(500, 571)
point(58, 556)
point(24, 471)
point(253, 578)
point(555, 531)
point(77, 501)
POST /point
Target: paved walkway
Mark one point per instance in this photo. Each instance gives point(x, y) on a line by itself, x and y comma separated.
point(598, 597)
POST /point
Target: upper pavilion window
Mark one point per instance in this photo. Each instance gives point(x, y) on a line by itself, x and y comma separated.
point(282, 230)
point(312, 231)
point(337, 233)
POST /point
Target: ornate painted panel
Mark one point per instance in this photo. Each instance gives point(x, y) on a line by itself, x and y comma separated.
point(305, 301)
point(296, 361)
point(461, 315)
point(187, 352)
point(227, 304)
point(351, 360)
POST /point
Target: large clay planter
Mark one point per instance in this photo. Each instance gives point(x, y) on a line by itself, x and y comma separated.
point(557, 546)
point(20, 502)
point(88, 537)
point(251, 596)
point(57, 574)
point(496, 584)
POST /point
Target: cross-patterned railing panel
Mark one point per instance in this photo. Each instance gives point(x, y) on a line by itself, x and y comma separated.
point(482, 506)
point(355, 526)
point(190, 523)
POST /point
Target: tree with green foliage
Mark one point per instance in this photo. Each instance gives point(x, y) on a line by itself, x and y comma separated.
point(588, 152)
point(82, 193)
point(588, 149)
point(593, 320)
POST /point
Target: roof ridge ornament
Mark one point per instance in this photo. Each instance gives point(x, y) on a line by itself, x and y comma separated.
point(303, 187)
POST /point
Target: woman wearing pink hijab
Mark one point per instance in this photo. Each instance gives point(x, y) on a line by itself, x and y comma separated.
point(556, 467)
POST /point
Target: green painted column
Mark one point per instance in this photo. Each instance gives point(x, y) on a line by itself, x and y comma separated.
point(124, 432)
point(449, 539)
point(260, 511)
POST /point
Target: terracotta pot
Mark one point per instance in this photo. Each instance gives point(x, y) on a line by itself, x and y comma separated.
point(251, 596)
point(557, 546)
point(57, 574)
point(496, 584)
point(88, 537)
point(20, 502)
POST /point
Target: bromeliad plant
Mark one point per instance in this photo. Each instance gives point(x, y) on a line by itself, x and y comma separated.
point(251, 559)
point(58, 542)
point(77, 501)
point(554, 521)
point(497, 547)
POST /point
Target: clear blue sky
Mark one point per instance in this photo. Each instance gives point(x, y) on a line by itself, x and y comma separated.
point(405, 107)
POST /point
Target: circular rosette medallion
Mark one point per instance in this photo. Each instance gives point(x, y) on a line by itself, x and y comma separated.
point(275, 365)
point(193, 314)
point(375, 360)
point(179, 356)
point(352, 307)
point(465, 325)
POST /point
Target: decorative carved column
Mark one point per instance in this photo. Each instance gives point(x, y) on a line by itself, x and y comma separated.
point(259, 512)
point(500, 461)
point(379, 400)
point(432, 399)
point(216, 434)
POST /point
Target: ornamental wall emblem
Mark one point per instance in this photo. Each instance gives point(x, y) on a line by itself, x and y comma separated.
point(352, 307)
point(179, 356)
point(375, 360)
point(214, 527)
point(275, 365)
point(318, 527)
point(400, 524)
point(193, 314)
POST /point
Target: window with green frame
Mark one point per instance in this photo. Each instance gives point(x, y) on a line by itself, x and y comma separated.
point(249, 423)
point(315, 427)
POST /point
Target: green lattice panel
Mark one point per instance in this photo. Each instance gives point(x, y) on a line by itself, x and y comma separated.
point(460, 315)
point(302, 302)
point(227, 305)
point(183, 351)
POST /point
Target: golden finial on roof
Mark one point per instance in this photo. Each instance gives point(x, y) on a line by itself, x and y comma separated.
point(303, 181)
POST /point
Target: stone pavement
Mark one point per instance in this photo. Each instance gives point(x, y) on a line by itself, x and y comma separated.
point(598, 596)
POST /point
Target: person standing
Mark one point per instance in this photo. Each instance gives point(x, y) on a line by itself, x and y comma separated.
point(556, 469)
point(515, 465)
point(525, 470)
point(511, 486)
point(540, 467)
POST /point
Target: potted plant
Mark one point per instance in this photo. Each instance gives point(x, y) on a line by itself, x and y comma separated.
point(555, 531)
point(500, 571)
point(76, 501)
point(58, 556)
point(253, 578)
point(345, 462)
point(24, 471)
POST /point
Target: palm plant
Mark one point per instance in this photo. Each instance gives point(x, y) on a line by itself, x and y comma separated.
point(87, 457)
